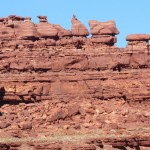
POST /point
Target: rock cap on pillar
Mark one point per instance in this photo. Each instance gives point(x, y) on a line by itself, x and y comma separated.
point(138, 37)
point(103, 28)
point(42, 18)
point(103, 32)
point(45, 29)
point(78, 29)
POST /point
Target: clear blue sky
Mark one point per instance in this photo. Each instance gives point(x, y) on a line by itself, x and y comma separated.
point(131, 16)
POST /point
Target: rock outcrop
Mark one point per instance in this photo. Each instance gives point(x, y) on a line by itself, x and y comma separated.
point(79, 32)
point(23, 32)
point(78, 29)
point(58, 93)
point(45, 29)
point(103, 32)
point(65, 36)
point(138, 40)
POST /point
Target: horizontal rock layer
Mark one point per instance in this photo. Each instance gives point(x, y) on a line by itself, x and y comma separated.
point(106, 87)
point(74, 85)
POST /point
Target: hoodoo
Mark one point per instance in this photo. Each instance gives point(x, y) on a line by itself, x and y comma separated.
point(45, 29)
point(78, 29)
point(138, 40)
point(103, 32)
point(64, 90)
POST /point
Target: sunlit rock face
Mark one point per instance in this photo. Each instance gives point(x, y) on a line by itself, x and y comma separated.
point(59, 82)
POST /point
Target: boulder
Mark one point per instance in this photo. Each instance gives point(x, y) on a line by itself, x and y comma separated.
point(60, 114)
point(45, 29)
point(25, 125)
point(73, 110)
point(103, 28)
point(138, 37)
point(78, 29)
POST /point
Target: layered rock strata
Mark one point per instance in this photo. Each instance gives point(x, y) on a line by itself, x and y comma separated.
point(72, 95)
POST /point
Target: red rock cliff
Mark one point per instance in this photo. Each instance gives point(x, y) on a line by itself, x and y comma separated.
point(60, 82)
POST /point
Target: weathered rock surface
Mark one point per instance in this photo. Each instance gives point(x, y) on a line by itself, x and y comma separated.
point(138, 40)
point(103, 28)
point(103, 32)
point(45, 29)
point(61, 31)
point(78, 29)
point(26, 29)
point(138, 37)
point(93, 94)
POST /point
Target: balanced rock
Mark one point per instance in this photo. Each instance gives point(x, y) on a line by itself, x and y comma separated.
point(78, 29)
point(138, 37)
point(45, 29)
point(137, 40)
point(103, 28)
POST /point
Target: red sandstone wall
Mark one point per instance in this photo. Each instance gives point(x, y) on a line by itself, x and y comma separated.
point(54, 79)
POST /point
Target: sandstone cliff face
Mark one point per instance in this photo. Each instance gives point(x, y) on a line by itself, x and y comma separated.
point(59, 81)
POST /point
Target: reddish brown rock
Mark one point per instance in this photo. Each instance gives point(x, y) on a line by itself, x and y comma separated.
point(137, 41)
point(73, 110)
point(2, 20)
point(45, 29)
point(61, 114)
point(65, 36)
point(138, 37)
point(27, 29)
point(61, 31)
point(71, 89)
point(104, 39)
point(7, 29)
point(4, 124)
point(78, 29)
point(25, 125)
point(103, 28)
point(64, 41)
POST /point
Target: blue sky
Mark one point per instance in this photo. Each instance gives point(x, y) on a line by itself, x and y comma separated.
point(131, 16)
